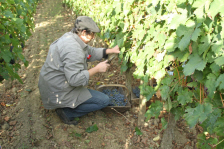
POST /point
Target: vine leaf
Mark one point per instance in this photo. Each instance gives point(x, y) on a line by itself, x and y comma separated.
point(209, 124)
point(171, 44)
point(154, 110)
point(215, 68)
point(211, 78)
point(164, 90)
point(199, 13)
point(187, 32)
point(204, 143)
point(205, 43)
point(195, 62)
point(185, 97)
point(195, 34)
point(178, 19)
point(92, 128)
point(220, 61)
point(138, 131)
point(220, 82)
point(8, 14)
point(217, 47)
point(197, 114)
point(216, 7)
point(219, 127)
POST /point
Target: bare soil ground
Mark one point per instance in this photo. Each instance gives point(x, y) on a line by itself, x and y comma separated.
point(26, 124)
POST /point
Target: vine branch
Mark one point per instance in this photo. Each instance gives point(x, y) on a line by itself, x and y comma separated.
point(221, 99)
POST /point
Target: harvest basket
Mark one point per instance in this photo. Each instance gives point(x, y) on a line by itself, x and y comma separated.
point(122, 90)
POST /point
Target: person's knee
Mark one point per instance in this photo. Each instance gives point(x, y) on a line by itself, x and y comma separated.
point(100, 98)
point(105, 101)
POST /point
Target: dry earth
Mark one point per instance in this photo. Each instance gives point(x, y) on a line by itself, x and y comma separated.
point(26, 124)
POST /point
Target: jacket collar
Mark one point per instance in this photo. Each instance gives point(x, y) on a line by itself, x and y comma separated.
point(79, 40)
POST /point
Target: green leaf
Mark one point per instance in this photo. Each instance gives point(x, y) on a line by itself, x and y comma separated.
point(161, 39)
point(204, 143)
point(92, 128)
point(181, 56)
point(120, 42)
point(187, 32)
point(159, 74)
point(220, 82)
point(168, 104)
point(195, 34)
point(171, 44)
point(222, 32)
point(220, 61)
point(107, 34)
point(178, 112)
point(8, 14)
point(215, 7)
point(215, 68)
point(219, 127)
point(185, 97)
point(199, 13)
point(178, 19)
point(154, 110)
point(198, 75)
point(147, 91)
point(220, 144)
point(78, 135)
point(18, 21)
point(209, 123)
point(164, 90)
point(197, 114)
point(87, 141)
point(217, 47)
point(205, 43)
point(198, 3)
point(7, 55)
point(211, 78)
point(138, 131)
point(149, 50)
point(195, 62)
point(164, 123)
point(167, 81)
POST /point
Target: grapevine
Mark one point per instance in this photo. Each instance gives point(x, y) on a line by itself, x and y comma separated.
point(185, 35)
point(16, 24)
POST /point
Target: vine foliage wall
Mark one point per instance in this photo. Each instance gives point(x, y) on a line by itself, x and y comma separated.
point(177, 42)
point(16, 17)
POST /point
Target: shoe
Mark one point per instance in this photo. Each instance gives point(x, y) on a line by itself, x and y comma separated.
point(64, 118)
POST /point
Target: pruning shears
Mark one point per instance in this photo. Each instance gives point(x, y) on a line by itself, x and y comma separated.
point(111, 58)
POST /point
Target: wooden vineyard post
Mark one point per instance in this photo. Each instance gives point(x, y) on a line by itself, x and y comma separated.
point(142, 109)
point(128, 75)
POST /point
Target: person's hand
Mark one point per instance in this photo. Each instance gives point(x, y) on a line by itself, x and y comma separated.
point(102, 66)
point(115, 50)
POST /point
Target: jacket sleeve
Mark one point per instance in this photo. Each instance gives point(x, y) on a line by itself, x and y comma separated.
point(73, 61)
point(96, 53)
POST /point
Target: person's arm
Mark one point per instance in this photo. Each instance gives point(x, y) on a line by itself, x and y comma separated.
point(115, 50)
point(99, 53)
point(93, 71)
point(101, 67)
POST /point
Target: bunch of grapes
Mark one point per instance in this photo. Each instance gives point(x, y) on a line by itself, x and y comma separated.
point(116, 98)
point(136, 91)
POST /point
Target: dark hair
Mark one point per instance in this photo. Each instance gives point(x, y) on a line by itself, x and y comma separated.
point(79, 31)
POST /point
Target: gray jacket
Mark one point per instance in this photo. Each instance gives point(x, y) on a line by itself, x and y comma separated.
point(64, 75)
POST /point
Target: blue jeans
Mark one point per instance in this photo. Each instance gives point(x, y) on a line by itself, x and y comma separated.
point(98, 101)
